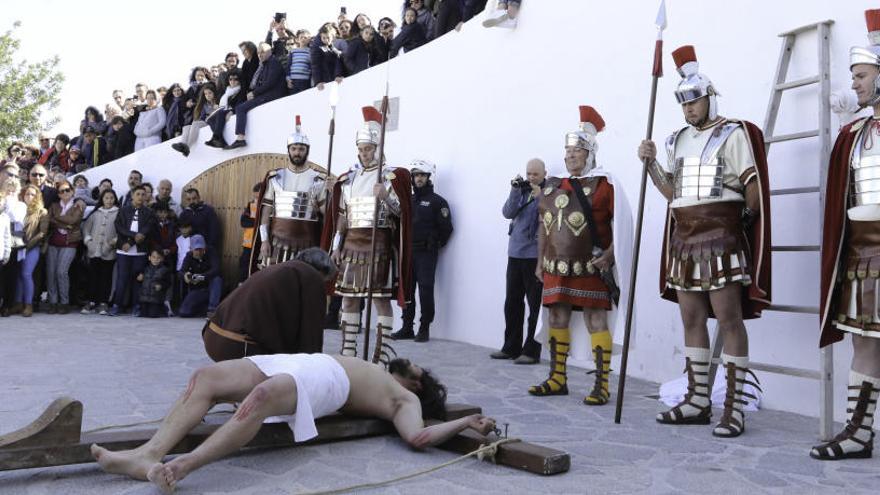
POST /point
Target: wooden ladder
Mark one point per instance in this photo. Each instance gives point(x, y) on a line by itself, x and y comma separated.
point(825, 374)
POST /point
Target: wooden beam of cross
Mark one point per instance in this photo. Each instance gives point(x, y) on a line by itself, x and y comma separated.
point(56, 439)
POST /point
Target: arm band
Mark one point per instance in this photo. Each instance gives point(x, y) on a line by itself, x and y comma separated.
point(337, 241)
point(264, 233)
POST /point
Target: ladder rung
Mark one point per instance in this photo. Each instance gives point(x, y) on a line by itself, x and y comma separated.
point(794, 190)
point(781, 370)
point(793, 249)
point(797, 83)
point(782, 308)
point(805, 28)
point(790, 137)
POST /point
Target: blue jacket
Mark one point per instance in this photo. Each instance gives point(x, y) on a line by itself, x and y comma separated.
point(523, 242)
point(270, 84)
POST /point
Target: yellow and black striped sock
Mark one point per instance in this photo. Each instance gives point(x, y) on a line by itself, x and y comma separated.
point(600, 342)
point(556, 383)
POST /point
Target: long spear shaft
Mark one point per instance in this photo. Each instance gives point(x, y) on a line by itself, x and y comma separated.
point(328, 201)
point(656, 75)
point(381, 159)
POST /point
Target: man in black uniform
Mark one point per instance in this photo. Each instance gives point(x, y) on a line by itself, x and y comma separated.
point(432, 226)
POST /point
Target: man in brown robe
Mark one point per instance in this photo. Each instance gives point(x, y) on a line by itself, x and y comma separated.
point(278, 310)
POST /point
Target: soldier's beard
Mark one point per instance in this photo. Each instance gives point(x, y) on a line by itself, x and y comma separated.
point(299, 161)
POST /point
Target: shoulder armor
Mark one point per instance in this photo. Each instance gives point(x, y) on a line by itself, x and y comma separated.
point(317, 168)
point(389, 175)
point(670, 145)
point(272, 173)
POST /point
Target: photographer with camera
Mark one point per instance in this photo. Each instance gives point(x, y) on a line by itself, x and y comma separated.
point(521, 208)
point(201, 274)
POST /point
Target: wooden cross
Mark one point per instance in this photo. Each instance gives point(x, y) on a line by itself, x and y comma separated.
point(56, 439)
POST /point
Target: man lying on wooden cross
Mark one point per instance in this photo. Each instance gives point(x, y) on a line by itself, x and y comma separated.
point(297, 389)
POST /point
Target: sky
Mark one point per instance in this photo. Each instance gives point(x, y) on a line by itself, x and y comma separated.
point(105, 45)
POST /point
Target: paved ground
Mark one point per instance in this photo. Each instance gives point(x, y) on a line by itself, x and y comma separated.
point(127, 370)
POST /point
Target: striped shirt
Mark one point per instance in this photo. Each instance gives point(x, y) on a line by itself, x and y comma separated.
point(300, 64)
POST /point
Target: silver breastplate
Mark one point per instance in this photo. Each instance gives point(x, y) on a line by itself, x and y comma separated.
point(865, 177)
point(700, 177)
point(360, 212)
point(694, 179)
point(295, 204)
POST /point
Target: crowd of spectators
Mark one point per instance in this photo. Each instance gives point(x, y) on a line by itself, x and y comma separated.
point(286, 62)
point(67, 244)
point(85, 248)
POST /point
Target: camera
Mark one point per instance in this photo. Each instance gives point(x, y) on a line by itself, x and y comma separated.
point(197, 277)
point(520, 183)
point(280, 16)
point(343, 11)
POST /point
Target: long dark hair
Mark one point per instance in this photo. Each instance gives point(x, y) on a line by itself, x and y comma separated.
point(168, 99)
point(250, 46)
point(200, 99)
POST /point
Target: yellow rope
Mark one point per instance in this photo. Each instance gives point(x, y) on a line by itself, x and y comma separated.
point(484, 452)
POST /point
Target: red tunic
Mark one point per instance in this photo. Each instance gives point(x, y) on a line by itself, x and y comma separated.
point(834, 228)
point(586, 291)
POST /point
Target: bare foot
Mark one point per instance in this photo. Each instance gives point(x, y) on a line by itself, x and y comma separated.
point(128, 462)
point(163, 476)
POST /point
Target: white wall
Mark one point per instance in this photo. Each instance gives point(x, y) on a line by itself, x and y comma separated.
point(480, 103)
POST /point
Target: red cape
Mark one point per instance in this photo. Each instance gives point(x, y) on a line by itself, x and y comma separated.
point(834, 230)
point(253, 265)
point(402, 232)
point(756, 297)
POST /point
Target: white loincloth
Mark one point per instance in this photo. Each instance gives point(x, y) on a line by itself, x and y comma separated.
point(321, 388)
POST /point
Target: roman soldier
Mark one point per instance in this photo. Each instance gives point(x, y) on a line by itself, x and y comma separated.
point(851, 253)
point(356, 195)
point(576, 258)
point(716, 248)
point(291, 209)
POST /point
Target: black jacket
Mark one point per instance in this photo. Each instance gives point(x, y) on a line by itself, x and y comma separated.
point(449, 14)
point(155, 285)
point(326, 62)
point(432, 220)
point(121, 143)
point(411, 36)
point(472, 8)
point(209, 266)
point(248, 68)
point(204, 222)
point(360, 55)
point(146, 226)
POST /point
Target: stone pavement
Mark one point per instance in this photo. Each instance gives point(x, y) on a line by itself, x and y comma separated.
point(126, 370)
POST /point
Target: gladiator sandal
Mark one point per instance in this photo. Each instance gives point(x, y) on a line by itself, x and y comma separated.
point(602, 355)
point(350, 326)
point(856, 441)
point(383, 352)
point(733, 421)
point(696, 408)
point(557, 382)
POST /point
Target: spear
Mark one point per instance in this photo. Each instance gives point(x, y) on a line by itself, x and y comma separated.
point(656, 74)
point(381, 159)
point(334, 100)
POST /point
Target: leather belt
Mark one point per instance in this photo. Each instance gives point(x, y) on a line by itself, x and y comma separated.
point(237, 337)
